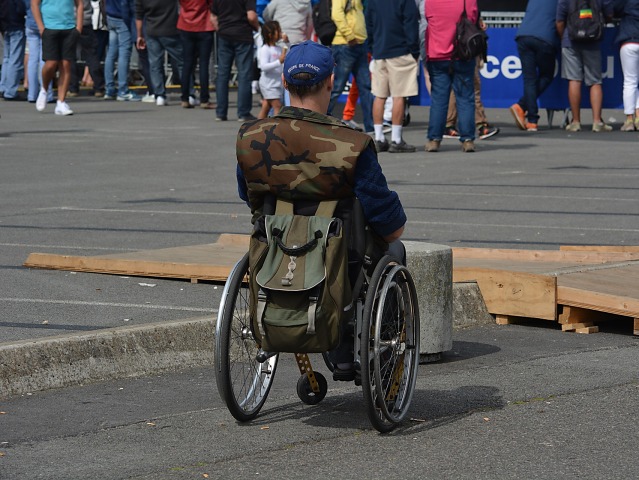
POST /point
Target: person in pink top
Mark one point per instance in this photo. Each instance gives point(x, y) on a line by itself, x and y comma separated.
point(196, 31)
point(447, 72)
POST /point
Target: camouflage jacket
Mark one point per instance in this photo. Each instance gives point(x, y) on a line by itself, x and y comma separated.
point(298, 155)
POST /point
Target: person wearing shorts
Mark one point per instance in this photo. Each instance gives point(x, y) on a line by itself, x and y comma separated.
point(60, 26)
point(581, 62)
point(394, 41)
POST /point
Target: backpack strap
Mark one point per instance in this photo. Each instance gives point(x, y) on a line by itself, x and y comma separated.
point(283, 207)
point(326, 208)
point(261, 306)
point(312, 311)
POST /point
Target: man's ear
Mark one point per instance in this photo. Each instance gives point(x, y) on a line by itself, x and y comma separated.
point(331, 82)
point(284, 84)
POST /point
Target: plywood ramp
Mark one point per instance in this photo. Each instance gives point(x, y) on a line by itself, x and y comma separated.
point(212, 261)
point(574, 286)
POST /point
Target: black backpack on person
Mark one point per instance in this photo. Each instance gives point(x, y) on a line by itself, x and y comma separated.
point(585, 21)
point(470, 39)
point(323, 23)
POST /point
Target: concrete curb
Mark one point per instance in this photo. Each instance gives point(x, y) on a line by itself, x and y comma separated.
point(63, 361)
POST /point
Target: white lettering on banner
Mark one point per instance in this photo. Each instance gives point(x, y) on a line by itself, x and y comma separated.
point(510, 67)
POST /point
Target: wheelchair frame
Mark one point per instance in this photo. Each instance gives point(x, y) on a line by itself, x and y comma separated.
point(386, 347)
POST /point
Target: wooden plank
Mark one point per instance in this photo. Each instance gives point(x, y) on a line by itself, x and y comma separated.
point(636, 326)
point(576, 315)
point(587, 330)
point(601, 302)
point(516, 294)
point(570, 327)
point(576, 256)
point(199, 262)
point(503, 320)
point(600, 248)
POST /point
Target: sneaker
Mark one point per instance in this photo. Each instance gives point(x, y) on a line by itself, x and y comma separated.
point(353, 124)
point(401, 147)
point(531, 127)
point(220, 119)
point(486, 131)
point(468, 146)
point(161, 101)
point(574, 127)
point(98, 94)
point(186, 105)
point(382, 145)
point(519, 116)
point(193, 101)
point(343, 375)
point(247, 118)
point(601, 127)
point(129, 97)
point(386, 127)
point(41, 101)
point(62, 108)
point(450, 132)
point(148, 98)
point(628, 126)
point(433, 145)
point(109, 96)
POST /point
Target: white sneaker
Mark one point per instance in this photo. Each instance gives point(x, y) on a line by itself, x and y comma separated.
point(41, 102)
point(62, 108)
point(161, 101)
point(193, 101)
point(148, 98)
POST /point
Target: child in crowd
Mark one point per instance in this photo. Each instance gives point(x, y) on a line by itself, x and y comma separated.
point(270, 59)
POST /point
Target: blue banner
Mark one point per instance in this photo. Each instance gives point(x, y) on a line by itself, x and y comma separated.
point(502, 84)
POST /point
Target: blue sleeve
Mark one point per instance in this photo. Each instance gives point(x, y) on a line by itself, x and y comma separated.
point(382, 208)
point(562, 11)
point(241, 184)
point(411, 27)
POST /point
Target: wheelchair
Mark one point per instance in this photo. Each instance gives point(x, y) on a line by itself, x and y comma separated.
point(386, 337)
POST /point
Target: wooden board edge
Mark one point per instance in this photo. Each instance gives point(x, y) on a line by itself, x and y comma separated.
point(600, 248)
point(564, 256)
point(514, 294)
point(617, 305)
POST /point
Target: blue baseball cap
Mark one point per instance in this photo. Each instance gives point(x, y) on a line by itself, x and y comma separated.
point(308, 57)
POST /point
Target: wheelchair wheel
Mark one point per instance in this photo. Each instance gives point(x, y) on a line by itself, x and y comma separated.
point(242, 381)
point(390, 344)
point(305, 391)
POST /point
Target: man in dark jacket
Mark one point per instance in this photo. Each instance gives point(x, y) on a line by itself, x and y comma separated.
point(537, 44)
point(159, 36)
point(393, 31)
point(236, 21)
point(14, 42)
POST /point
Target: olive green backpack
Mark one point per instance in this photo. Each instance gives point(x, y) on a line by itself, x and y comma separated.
point(298, 281)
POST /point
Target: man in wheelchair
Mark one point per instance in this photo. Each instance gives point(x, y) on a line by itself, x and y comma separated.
point(304, 156)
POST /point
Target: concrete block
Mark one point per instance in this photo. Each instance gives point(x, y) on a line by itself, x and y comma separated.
point(432, 269)
point(469, 308)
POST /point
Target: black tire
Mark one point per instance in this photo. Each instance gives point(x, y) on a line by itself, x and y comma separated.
point(390, 344)
point(306, 393)
point(242, 381)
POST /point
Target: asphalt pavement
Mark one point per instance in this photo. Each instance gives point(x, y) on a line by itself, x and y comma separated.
point(508, 402)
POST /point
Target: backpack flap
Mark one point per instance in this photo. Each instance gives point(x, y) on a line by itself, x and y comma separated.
point(299, 276)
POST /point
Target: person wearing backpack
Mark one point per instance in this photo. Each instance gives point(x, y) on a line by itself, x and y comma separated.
point(309, 169)
point(447, 70)
point(577, 21)
point(537, 45)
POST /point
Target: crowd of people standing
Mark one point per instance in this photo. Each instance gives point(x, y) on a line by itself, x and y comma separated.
point(377, 45)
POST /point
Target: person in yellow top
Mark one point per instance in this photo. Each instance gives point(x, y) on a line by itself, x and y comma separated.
point(350, 51)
